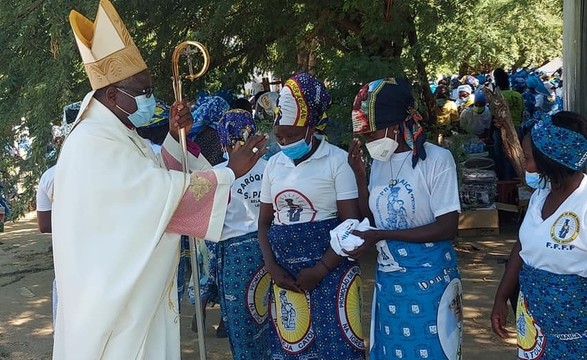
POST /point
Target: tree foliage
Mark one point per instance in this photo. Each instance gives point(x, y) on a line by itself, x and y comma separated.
point(345, 42)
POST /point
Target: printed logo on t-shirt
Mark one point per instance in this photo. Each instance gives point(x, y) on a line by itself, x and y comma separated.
point(392, 210)
point(294, 206)
point(566, 228)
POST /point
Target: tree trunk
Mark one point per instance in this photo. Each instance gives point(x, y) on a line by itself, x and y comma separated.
point(503, 121)
point(575, 55)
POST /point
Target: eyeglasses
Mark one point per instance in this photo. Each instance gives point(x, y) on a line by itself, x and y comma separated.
point(148, 92)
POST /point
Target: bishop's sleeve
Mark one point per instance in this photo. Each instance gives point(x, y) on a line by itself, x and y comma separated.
point(202, 208)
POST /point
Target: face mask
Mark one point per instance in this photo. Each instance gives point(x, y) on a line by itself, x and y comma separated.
point(225, 155)
point(478, 109)
point(440, 102)
point(382, 149)
point(145, 109)
point(298, 149)
point(534, 181)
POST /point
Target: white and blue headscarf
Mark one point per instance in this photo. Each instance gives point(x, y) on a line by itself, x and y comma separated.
point(565, 146)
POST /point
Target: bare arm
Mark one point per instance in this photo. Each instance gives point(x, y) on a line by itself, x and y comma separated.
point(356, 162)
point(347, 209)
point(444, 228)
point(279, 275)
point(508, 284)
point(309, 278)
point(44, 221)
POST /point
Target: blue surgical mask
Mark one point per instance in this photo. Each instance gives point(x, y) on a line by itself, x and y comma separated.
point(535, 181)
point(298, 149)
point(145, 109)
point(225, 155)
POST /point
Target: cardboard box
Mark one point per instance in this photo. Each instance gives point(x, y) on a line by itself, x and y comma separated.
point(480, 222)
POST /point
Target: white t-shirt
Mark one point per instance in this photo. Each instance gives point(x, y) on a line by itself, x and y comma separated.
point(309, 191)
point(557, 244)
point(45, 190)
point(242, 213)
point(419, 195)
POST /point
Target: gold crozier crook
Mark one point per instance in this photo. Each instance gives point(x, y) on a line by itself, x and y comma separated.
point(188, 49)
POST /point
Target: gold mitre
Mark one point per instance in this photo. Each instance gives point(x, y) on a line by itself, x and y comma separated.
point(107, 50)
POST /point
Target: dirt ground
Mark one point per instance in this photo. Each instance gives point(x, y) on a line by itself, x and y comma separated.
point(26, 273)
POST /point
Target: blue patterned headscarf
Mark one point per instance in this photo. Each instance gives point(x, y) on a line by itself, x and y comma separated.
point(207, 111)
point(566, 147)
point(236, 125)
point(303, 102)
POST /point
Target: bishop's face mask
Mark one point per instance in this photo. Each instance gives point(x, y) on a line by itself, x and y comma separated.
point(145, 108)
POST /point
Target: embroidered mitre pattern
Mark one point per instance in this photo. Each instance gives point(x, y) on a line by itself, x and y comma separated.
point(106, 47)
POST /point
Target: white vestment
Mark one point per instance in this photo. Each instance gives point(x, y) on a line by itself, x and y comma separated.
point(115, 261)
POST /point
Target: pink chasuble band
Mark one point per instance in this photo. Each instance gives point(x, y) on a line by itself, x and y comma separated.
point(199, 195)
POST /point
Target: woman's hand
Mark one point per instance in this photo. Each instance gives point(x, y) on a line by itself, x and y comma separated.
point(499, 316)
point(371, 237)
point(356, 158)
point(309, 278)
point(282, 278)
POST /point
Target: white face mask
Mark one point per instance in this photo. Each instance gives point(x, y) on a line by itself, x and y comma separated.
point(382, 149)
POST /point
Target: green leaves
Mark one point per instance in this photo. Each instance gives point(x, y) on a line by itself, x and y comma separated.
point(345, 42)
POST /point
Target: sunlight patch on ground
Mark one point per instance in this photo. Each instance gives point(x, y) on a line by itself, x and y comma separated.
point(43, 331)
point(23, 318)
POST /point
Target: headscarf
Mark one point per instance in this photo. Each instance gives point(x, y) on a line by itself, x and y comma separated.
point(207, 111)
point(480, 97)
point(386, 102)
point(534, 82)
point(471, 81)
point(303, 102)
point(465, 88)
point(565, 146)
point(235, 125)
point(161, 116)
point(519, 84)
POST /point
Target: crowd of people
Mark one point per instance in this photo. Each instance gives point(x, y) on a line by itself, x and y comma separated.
point(461, 107)
point(269, 207)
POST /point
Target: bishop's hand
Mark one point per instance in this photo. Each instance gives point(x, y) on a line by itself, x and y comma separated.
point(243, 157)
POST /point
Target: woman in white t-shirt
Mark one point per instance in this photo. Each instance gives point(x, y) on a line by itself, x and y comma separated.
point(243, 282)
point(412, 199)
point(550, 258)
point(308, 189)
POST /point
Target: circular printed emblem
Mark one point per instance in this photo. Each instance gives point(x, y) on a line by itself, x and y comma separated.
point(449, 319)
point(258, 295)
point(293, 207)
point(566, 228)
point(349, 306)
point(531, 340)
point(290, 312)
